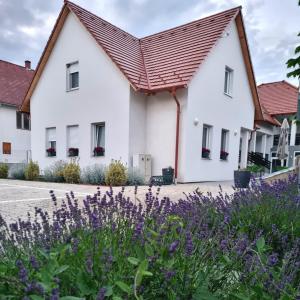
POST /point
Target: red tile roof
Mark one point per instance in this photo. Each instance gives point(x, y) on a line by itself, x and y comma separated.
point(278, 98)
point(14, 82)
point(163, 60)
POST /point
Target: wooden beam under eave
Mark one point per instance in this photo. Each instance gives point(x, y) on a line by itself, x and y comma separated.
point(249, 67)
point(45, 56)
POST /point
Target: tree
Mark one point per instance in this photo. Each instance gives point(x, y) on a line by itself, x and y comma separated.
point(295, 62)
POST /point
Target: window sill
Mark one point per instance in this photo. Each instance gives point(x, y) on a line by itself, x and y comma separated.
point(206, 158)
point(228, 95)
point(71, 90)
point(23, 129)
point(225, 160)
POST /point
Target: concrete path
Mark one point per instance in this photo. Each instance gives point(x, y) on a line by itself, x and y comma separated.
point(17, 197)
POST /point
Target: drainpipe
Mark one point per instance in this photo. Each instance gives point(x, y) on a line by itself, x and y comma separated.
point(173, 93)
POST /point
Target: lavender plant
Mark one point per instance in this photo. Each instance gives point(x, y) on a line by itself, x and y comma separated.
point(240, 246)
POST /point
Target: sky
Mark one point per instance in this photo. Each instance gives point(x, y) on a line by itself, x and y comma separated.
point(271, 25)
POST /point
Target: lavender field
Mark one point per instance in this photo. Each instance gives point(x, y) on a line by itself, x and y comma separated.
point(240, 246)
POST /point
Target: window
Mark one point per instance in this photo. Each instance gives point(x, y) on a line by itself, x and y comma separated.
point(228, 83)
point(98, 139)
point(51, 141)
point(23, 120)
point(73, 140)
point(206, 141)
point(6, 148)
point(224, 144)
point(72, 76)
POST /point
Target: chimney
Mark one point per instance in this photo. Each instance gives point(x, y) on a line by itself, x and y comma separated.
point(28, 64)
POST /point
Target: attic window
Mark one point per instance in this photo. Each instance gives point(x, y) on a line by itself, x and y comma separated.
point(228, 82)
point(72, 76)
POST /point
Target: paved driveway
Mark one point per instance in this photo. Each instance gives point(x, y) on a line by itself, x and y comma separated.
point(17, 197)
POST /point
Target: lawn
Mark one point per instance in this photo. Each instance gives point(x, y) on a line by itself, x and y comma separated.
point(240, 246)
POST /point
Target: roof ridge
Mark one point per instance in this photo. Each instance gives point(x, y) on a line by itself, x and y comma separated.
point(17, 65)
point(278, 81)
point(109, 23)
point(191, 22)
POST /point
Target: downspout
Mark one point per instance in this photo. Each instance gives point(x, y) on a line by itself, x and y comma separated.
point(173, 93)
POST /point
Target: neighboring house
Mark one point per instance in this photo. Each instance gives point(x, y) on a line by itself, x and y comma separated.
point(278, 101)
point(176, 98)
point(14, 125)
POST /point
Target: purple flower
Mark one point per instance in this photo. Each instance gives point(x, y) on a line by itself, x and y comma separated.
point(34, 263)
point(101, 294)
point(23, 274)
point(273, 259)
point(173, 246)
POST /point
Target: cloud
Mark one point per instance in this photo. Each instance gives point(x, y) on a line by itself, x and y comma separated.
point(25, 25)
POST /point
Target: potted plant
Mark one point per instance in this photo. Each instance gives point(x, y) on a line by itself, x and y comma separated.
point(51, 151)
point(223, 155)
point(205, 152)
point(98, 151)
point(242, 178)
point(73, 152)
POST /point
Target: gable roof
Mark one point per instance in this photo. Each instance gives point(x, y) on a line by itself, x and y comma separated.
point(278, 98)
point(162, 61)
point(14, 82)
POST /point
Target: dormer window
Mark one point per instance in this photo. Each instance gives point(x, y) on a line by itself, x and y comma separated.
point(228, 83)
point(72, 76)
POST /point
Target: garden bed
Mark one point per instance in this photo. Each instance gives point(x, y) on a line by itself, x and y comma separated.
point(244, 246)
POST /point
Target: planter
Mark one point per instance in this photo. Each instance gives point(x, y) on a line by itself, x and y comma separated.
point(223, 156)
point(51, 152)
point(242, 178)
point(205, 154)
point(99, 151)
point(168, 175)
point(73, 152)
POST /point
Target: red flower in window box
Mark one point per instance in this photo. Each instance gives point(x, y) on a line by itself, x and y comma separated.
point(205, 152)
point(99, 151)
point(51, 151)
point(73, 152)
point(223, 154)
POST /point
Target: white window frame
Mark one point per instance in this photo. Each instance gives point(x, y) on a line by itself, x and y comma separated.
point(208, 142)
point(22, 114)
point(94, 138)
point(226, 131)
point(50, 141)
point(228, 84)
point(69, 144)
point(71, 68)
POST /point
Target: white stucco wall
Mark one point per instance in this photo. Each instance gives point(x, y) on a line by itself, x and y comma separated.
point(208, 103)
point(103, 96)
point(19, 138)
point(161, 130)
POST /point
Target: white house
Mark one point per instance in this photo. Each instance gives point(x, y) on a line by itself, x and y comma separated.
point(176, 98)
point(278, 100)
point(14, 125)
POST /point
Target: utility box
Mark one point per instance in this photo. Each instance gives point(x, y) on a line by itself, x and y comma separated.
point(143, 163)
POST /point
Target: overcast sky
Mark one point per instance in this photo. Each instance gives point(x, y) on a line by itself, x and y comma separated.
point(271, 25)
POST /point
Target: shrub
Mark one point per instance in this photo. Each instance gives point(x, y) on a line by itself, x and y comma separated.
point(94, 174)
point(3, 170)
point(32, 171)
point(116, 174)
point(17, 171)
point(55, 172)
point(134, 177)
point(240, 246)
point(71, 172)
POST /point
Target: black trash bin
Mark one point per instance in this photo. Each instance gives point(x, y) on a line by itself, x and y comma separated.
point(242, 178)
point(168, 175)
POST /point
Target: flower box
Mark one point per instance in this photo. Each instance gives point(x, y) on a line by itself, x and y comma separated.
point(73, 152)
point(223, 155)
point(99, 151)
point(205, 152)
point(51, 152)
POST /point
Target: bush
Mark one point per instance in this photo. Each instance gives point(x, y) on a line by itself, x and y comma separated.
point(240, 246)
point(17, 171)
point(134, 177)
point(116, 174)
point(94, 174)
point(3, 170)
point(255, 168)
point(71, 172)
point(32, 171)
point(55, 172)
